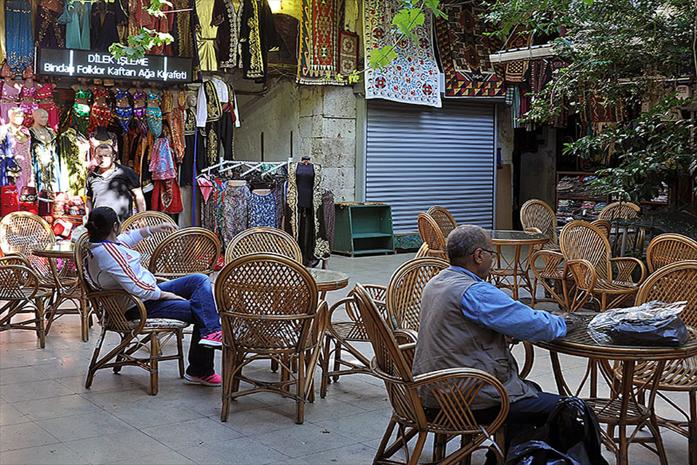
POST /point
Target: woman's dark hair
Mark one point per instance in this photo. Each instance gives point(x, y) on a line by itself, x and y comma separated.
point(100, 223)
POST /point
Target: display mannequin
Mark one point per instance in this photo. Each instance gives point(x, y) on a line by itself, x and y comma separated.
point(9, 95)
point(15, 160)
point(45, 157)
point(27, 96)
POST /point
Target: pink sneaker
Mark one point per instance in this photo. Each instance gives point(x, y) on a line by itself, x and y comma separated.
point(214, 380)
point(214, 340)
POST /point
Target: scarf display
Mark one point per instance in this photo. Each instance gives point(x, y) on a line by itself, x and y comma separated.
point(464, 52)
point(413, 76)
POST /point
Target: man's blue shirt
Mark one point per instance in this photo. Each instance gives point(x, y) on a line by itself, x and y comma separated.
point(485, 304)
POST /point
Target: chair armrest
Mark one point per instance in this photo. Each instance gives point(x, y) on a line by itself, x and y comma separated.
point(455, 388)
point(113, 304)
point(626, 267)
point(551, 261)
point(582, 272)
point(337, 305)
point(15, 259)
point(405, 336)
point(408, 350)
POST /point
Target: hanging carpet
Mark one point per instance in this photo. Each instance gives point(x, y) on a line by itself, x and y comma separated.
point(413, 76)
point(464, 52)
point(317, 60)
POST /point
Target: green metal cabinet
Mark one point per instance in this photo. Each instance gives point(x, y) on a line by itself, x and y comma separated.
point(363, 229)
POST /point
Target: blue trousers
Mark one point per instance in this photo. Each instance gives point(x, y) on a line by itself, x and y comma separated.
point(199, 309)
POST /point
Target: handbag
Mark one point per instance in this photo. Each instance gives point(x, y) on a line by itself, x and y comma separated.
point(28, 200)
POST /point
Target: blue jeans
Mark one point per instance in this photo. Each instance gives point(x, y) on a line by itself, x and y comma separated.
point(199, 309)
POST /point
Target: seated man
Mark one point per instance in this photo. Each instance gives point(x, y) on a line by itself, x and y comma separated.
point(465, 321)
point(111, 264)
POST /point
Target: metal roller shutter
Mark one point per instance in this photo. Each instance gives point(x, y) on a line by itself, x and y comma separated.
point(417, 157)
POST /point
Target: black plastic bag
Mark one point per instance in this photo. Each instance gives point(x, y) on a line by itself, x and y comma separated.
point(664, 332)
point(537, 453)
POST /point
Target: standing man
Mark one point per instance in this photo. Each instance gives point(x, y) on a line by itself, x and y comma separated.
point(112, 184)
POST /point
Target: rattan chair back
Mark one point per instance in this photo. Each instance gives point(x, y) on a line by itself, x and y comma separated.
point(432, 236)
point(603, 225)
point(580, 240)
point(537, 214)
point(445, 220)
point(406, 288)
point(147, 246)
point(619, 210)
point(184, 252)
point(422, 252)
point(263, 240)
point(13, 259)
point(454, 393)
point(267, 304)
point(669, 248)
point(24, 232)
point(673, 283)
point(19, 283)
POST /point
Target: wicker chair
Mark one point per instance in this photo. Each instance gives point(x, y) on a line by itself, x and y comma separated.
point(604, 225)
point(432, 236)
point(184, 252)
point(454, 390)
point(588, 259)
point(147, 246)
point(669, 248)
point(263, 240)
point(345, 334)
point(445, 220)
point(150, 334)
point(22, 233)
point(673, 283)
point(268, 307)
point(405, 289)
point(537, 214)
point(422, 252)
point(622, 211)
point(21, 294)
point(619, 210)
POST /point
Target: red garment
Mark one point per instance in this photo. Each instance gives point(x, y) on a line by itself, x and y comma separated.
point(44, 96)
point(166, 196)
point(9, 199)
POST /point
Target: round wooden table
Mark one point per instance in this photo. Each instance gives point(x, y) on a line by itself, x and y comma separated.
point(66, 286)
point(515, 270)
point(328, 280)
point(629, 403)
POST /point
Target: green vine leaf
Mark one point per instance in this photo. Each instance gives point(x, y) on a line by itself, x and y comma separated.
point(382, 57)
point(434, 6)
point(408, 19)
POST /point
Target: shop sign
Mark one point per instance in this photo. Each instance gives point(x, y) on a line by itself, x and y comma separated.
point(102, 65)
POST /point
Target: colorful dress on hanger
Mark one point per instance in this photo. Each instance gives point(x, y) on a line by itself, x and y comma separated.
point(100, 114)
point(19, 34)
point(47, 166)
point(75, 155)
point(228, 43)
point(123, 111)
point(262, 210)
point(80, 112)
point(153, 113)
point(105, 20)
point(182, 30)
point(140, 99)
point(28, 103)
point(206, 35)
point(175, 119)
point(50, 32)
point(9, 98)
point(166, 196)
point(9, 169)
point(76, 17)
point(15, 145)
point(44, 98)
point(235, 211)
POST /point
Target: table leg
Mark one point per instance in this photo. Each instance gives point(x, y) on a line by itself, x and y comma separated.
point(516, 268)
point(558, 375)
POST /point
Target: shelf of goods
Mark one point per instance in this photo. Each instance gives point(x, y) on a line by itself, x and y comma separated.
point(363, 229)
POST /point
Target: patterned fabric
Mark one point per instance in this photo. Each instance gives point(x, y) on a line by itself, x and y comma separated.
point(159, 323)
point(348, 52)
point(51, 34)
point(321, 249)
point(228, 22)
point(464, 52)
point(44, 95)
point(9, 98)
point(75, 152)
point(317, 60)
point(46, 162)
point(262, 210)
point(234, 211)
point(329, 215)
point(161, 162)
point(413, 76)
point(19, 35)
point(9, 167)
point(18, 144)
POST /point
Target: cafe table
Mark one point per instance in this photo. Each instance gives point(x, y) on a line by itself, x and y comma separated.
point(514, 273)
point(66, 286)
point(328, 280)
point(630, 403)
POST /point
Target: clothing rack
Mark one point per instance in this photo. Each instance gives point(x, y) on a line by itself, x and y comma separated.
point(268, 167)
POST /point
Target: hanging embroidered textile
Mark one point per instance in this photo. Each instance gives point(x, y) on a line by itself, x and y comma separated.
point(257, 37)
point(228, 22)
point(413, 76)
point(464, 52)
point(317, 60)
point(348, 52)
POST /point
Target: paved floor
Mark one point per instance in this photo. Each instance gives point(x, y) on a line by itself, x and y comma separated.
point(48, 417)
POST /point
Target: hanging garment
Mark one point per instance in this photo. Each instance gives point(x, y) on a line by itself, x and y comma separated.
point(194, 150)
point(100, 114)
point(313, 245)
point(44, 98)
point(80, 117)
point(138, 17)
point(262, 210)
point(15, 156)
point(257, 36)
point(235, 211)
point(76, 17)
point(123, 110)
point(329, 213)
point(9, 98)
point(106, 17)
point(46, 161)
point(153, 113)
point(28, 102)
point(75, 156)
point(206, 35)
point(182, 30)
point(161, 162)
point(166, 197)
point(228, 22)
point(19, 34)
point(175, 119)
point(139, 109)
point(3, 48)
point(50, 32)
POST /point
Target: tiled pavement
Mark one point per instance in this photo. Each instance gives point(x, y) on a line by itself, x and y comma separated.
point(48, 417)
